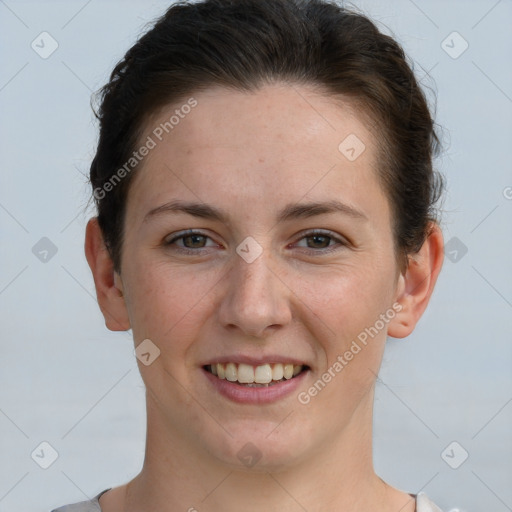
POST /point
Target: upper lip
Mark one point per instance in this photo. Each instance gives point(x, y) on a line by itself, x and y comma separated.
point(255, 361)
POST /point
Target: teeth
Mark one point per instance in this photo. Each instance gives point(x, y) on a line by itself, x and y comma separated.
point(288, 371)
point(263, 374)
point(245, 374)
point(277, 372)
point(231, 373)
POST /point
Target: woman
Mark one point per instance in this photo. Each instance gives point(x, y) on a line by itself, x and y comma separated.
point(266, 219)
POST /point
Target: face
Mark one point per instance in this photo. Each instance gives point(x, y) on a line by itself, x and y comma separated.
point(254, 275)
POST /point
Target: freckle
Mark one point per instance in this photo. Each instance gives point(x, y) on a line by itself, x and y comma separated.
point(261, 160)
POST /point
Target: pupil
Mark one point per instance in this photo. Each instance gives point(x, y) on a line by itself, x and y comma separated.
point(195, 238)
point(320, 237)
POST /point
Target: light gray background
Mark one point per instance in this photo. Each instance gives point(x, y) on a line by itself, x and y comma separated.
point(67, 380)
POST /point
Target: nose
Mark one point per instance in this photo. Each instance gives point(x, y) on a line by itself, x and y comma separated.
point(256, 298)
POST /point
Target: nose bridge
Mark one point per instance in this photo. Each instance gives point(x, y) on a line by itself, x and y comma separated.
point(254, 296)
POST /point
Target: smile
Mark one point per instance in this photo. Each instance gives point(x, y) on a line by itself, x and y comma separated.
point(255, 384)
point(255, 376)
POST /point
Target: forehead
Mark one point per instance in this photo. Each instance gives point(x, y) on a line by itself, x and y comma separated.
point(277, 144)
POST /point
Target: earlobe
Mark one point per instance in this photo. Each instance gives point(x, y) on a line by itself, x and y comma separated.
point(109, 289)
point(416, 285)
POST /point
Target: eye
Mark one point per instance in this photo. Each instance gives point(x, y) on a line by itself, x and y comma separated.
point(322, 240)
point(193, 241)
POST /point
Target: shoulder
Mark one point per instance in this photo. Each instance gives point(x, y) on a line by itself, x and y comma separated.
point(83, 506)
point(424, 504)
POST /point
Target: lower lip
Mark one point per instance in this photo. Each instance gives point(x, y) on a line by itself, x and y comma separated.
point(257, 395)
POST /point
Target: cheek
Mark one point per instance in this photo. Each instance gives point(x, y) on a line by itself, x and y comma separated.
point(346, 308)
point(347, 298)
point(166, 300)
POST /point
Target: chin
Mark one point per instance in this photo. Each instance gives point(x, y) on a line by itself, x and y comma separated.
point(256, 448)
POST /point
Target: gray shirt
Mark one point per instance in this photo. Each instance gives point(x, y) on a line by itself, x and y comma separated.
point(423, 504)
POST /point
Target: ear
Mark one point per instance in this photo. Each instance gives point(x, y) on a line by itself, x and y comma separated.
point(416, 285)
point(109, 291)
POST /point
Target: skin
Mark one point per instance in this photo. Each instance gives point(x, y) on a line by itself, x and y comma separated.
point(251, 154)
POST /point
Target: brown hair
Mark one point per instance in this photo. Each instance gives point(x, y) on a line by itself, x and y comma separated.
point(243, 44)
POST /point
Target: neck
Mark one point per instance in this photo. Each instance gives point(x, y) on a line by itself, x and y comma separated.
point(337, 476)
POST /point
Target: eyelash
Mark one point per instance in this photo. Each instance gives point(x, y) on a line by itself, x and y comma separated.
point(185, 250)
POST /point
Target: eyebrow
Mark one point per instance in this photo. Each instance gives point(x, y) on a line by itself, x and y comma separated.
point(289, 212)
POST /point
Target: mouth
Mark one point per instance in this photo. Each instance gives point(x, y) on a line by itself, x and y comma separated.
point(261, 376)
